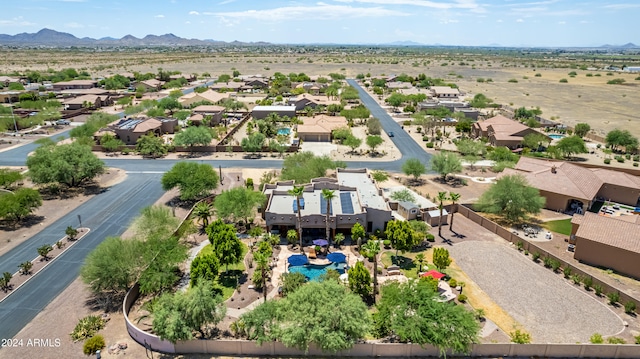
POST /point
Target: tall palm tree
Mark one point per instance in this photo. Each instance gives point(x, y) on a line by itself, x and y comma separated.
point(454, 197)
point(328, 195)
point(372, 247)
point(298, 191)
point(203, 211)
point(442, 196)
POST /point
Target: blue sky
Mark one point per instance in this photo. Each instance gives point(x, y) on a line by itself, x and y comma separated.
point(447, 22)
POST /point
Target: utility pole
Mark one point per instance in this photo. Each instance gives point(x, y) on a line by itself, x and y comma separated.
point(220, 170)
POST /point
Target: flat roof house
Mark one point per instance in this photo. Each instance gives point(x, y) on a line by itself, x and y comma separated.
point(357, 200)
point(444, 92)
point(260, 112)
point(74, 84)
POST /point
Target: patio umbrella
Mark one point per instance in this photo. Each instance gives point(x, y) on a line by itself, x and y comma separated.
point(337, 257)
point(434, 274)
point(320, 242)
point(297, 259)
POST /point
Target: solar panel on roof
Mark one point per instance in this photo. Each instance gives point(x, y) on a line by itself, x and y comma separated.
point(346, 203)
point(323, 206)
point(295, 204)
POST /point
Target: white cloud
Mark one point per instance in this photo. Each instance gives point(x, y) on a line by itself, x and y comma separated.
point(187, 22)
point(194, 13)
point(456, 4)
point(519, 20)
point(226, 2)
point(159, 16)
point(562, 22)
point(320, 11)
point(499, 20)
point(16, 21)
point(73, 25)
point(622, 6)
point(448, 21)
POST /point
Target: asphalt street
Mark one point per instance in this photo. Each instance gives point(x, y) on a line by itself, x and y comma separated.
point(111, 212)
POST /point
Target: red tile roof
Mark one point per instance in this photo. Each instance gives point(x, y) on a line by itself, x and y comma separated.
point(611, 231)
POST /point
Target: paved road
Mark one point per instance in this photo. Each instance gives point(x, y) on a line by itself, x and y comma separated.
point(110, 213)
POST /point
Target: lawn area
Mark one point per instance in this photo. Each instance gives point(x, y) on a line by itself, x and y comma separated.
point(562, 226)
point(227, 281)
point(406, 262)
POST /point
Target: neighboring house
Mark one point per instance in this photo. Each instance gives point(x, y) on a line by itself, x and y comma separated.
point(319, 128)
point(10, 96)
point(414, 91)
point(357, 200)
point(74, 84)
point(230, 85)
point(398, 85)
point(257, 83)
point(608, 242)
point(502, 131)
point(470, 113)
point(260, 112)
point(304, 100)
point(189, 78)
point(5, 81)
point(151, 85)
point(311, 87)
point(87, 101)
point(408, 210)
point(89, 91)
point(215, 113)
point(571, 188)
point(444, 92)
point(129, 130)
point(209, 95)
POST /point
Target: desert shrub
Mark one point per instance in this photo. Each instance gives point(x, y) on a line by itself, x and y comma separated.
point(563, 81)
point(520, 337)
point(636, 158)
point(514, 81)
point(607, 161)
point(519, 245)
point(535, 256)
point(630, 307)
point(613, 297)
point(406, 123)
point(627, 156)
point(386, 243)
point(616, 340)
point(587, 282)
point(555, 265)
point(635, 164)
point(538, 75)
point(425, 138)
point(547, 262)
point(93, 344)
point(637, 338)
point(596, 338)
point(429, 144)
point(453, 282)
point(431, 237)
point(576, 279)
point(87, 327)
point(567, 272)
point(462, 298)
point(598, 289)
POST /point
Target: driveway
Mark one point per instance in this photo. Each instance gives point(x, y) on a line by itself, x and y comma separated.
point(551, 309)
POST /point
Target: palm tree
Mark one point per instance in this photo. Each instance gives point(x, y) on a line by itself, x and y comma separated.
point(420, 260)
point(454, 197)
point(372, 248)
point(298, 191)
point(442, 196)
point(262, 265)
point(328, 195)
point(203, 211)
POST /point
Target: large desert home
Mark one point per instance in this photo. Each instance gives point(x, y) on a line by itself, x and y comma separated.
point(572, 188)
point(319, 128)
point(128, 130)
point(502, 131)
point(608, 242)
point(357, 200)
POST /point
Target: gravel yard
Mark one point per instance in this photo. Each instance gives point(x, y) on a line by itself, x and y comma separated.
point(550, 309)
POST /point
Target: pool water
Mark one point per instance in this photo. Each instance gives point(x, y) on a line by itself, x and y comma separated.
point(313, 271)
point(556, 136)
point(284, 131)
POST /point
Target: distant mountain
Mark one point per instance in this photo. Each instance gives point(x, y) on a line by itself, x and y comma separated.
point(52, 38)
point(405, 43)
point(629, 45)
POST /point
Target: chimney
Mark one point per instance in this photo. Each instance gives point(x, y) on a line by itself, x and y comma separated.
point(553, 169)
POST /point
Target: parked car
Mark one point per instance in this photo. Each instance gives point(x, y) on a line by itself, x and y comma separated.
point(63, 122)
point(390, 134)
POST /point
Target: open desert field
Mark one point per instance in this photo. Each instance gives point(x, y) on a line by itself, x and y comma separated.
point(585, 97)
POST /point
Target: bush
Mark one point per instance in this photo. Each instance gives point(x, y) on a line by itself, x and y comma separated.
point(635, 164)
point(536, 257)
point(249, 183)
point(630, 307)
point(598, 289)
point(431, 237)
point(555, 265)
point(462, 298)
point(429, 144)
point(620, 159)
point(576, 279)
point(520, 337)
point(386, 243)
point(637, 338)
point(514, 81)
point(563, 81)
point(627, 156)
point(607, 161)
point(613, 298)
point(453, 283)
point(596, 338)
point(636, 158)
point(425, 138)
point(87, 327)
point(519, 245)
point(406, 123)
point(93, 344)
point(616, 340)
point(587, 282)
point(547, 262)
point(567, 272)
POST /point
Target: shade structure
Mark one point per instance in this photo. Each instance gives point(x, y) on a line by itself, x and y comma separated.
point(297, 260)
point(337, 257)
point(320, 242)
point(434, 274)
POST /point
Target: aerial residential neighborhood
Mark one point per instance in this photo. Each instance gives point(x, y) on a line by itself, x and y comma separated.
point(174, 197)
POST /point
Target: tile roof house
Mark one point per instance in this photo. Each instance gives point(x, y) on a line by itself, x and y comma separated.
point(214, 111)
point(609, 242)
point(151, 85)
point(87, 101)
point(502, 131)
point(319, 128)
point(209, 95)
point(304, 100)
point(128, 130)
point(567, 186)
point(74, 84)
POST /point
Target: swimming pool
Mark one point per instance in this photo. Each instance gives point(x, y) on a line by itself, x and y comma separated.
point(556, 136)
point(313, 271)
point(284, 131)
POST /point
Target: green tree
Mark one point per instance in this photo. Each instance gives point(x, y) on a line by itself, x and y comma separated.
point(360, 280)
point(5, 281)
point(303, 166)
point(374, 127)
point(238, 202)
point(372, 248)
point(339, 318)
point(291, 281)
point(374, 141)
point(502, 154)
point(193, 136)
point(71, 233)
point(25, 267)
point(151, 146)
point(71, 164)
point(44, 251)
point(401, 235)
point(445, 163)
point(421, 260)
point(379, 176)
point(480, 101)
point(441, 258)
point(20, 204)
point(194, 180)
point(225, 242)
point(340, 134)
point(403, 195)
point(111, 144)
point(261, 274)
point(253, 143)
point(469, 147)
point(571, 145)
point(204, 267)
point(581, 129)
point(412, 312)
point(511, 197)
point(442, 196)
point(454, 198)
point(621, 138)
point(535, 140)
point(353, 142)
point(413, 167)
point(358, 233)
point(170, 104)
point(9, 177)
point(298, 192)
point(396, 100)
point(203, 211)
point(328, 196)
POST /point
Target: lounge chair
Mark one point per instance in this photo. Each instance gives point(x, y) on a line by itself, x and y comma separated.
point(312, 253)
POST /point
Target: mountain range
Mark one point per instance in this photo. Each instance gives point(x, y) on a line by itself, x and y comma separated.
point(53, 38)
